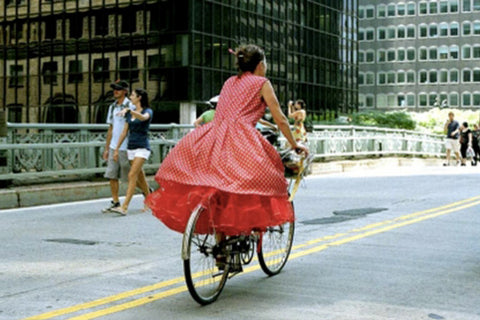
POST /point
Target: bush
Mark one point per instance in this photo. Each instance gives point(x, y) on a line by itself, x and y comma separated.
point(394, 119)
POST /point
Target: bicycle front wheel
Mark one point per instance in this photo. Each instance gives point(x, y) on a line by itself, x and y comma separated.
point(274, 247)
point(204, 275)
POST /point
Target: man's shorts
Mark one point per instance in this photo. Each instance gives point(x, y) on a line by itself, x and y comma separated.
point(452, 144)
point(138, 153)
point(117, 170)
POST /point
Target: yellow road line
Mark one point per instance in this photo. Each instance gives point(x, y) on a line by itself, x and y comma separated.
point(339, 239)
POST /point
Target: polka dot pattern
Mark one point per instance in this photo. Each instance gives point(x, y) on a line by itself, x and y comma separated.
point(228, 155)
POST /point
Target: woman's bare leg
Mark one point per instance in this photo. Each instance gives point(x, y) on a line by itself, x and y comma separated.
point(135, 168)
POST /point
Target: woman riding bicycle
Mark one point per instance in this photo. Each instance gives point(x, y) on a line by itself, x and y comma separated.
point(227, 165)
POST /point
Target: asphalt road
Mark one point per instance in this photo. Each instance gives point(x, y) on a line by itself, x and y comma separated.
point(374, 245)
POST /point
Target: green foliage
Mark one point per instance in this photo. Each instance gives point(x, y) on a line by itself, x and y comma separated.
point(394, 119)
point(434, 120)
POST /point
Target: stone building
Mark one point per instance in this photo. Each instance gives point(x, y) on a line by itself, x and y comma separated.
point(419, 54)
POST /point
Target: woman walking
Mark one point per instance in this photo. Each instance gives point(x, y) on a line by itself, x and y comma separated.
point(138, 149)
point(226, 165)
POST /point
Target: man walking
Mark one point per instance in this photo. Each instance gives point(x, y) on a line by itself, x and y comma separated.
point(452, 129)
point(116, 169)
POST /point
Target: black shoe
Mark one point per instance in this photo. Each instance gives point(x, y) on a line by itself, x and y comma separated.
point(446, 164)
point(463, 164)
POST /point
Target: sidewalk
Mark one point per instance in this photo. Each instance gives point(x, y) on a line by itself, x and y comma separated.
point(43, 194)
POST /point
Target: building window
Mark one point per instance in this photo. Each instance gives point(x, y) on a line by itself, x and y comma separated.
point(454, 29)
point(411, 54)
point(466, 99)
point(391, 55)
point(454, 52)
point(381, 11)
point(14, 112)
point(76, 27)
point(422, 8)
point(476, 75)
point(369, 101)
point(432, 53)
point(411, 31)
point(154, 67)
point(401, 32)
point(50, 28)
point(369, 34)
point(411, 76)
point(17, 31)
point(401, 9)
point(476, 52)
point(476, 5)
point(453, 6)
point(422, 76)
point(443, 76)
point(444, 6)
point(466, 75)
point(453, 99)
point(410, 100)
point(101, 23)
point(382, 55)
point(361, 12)
point(444, 29)
point(361, 56)
point(49, 72)
point(381, 101)
point(101, 71)
point(432, 8)
point(433, 76)
point(476, 99)
point(370, 57)
point(466, 28)
point(16, 76)
point(370, 78)
point(401, 77)
point(433, 30)
point(443, 53)
point(466, 52)
point(75, 71)
point(391, 77)
point(467, 5)
point(422, 54)
point(391, 10)
point(361, 79)
point(454, 76)
point(370, 12)
point(382, 33)
point(382, 78)
point(129, 22)
point(401, 55)
point(433, 100)
point(411, 8)
point(423, 30)
point(476, 27)
point(422, 98)
point(128, 68)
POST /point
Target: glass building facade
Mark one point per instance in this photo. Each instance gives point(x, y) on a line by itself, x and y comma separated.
point(58, 58)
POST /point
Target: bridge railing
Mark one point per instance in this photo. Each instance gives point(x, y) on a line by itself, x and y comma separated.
point(52, 150)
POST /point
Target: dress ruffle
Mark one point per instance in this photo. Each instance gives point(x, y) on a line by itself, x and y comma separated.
point(231, 213)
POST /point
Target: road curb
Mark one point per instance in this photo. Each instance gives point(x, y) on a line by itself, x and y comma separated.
point(27, 196)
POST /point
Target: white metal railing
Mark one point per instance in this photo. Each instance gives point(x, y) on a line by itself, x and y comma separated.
point(51, 150)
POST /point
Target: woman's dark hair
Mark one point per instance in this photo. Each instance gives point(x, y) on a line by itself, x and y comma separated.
point(248, 57)
point(465, 124)
point(301, 103)
point(143, 97)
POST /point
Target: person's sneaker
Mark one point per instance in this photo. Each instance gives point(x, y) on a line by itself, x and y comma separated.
point(119, 210)
point(446, 164)
point(111, 206)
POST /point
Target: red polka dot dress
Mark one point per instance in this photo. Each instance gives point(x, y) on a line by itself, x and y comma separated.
point(227, 166)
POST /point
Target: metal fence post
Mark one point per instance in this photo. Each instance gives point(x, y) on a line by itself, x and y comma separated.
point(3, 139)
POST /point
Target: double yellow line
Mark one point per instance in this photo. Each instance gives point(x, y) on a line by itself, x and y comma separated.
point(148, 294)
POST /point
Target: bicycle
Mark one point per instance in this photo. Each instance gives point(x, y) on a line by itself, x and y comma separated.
point(206, 274)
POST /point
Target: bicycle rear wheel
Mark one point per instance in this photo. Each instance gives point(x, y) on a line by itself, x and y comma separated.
point(204, 276)
point(274, 247)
